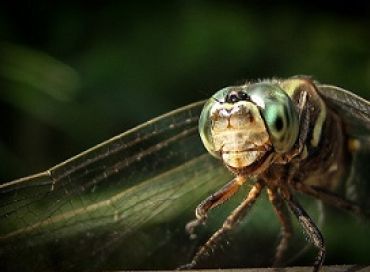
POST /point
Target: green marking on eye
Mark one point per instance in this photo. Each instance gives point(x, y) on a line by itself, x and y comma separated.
point(279, 114)
point(279, 124)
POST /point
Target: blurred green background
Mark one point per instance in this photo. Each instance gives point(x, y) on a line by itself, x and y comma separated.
point(73, 75)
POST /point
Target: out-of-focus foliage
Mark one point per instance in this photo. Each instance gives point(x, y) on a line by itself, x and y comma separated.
point(72, 75)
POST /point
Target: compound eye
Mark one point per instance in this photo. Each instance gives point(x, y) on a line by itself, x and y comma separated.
point(279, 113)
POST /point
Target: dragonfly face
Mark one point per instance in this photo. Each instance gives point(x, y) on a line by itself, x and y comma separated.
point(138, 189)
point(244, 125)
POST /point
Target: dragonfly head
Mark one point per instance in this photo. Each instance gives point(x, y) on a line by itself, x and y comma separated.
point(243, 125)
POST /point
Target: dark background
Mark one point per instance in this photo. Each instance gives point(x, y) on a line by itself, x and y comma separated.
point(73, 75)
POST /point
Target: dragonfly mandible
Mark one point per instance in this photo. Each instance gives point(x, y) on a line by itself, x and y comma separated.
point(283, 135)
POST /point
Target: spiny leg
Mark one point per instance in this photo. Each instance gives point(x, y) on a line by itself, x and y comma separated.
point(228, 224)
point(331, 199)
point(286, 224)
point(310, 229)
point(213, 201)
point(319, 224)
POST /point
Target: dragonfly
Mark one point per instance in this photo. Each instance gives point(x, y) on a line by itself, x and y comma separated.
point(106, 207)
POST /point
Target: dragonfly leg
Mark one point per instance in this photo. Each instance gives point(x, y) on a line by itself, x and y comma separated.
point(213, 201)
point(228, 224)
point(310, 229)
point(331, 198)
point(286, 224)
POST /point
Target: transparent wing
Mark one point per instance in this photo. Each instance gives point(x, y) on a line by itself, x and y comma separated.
point(113, 204)
point(124, 204)
point(355, 114)
point(354, 110)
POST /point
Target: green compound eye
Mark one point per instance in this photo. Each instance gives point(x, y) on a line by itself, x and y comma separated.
point(279, 113)
point(205, 120)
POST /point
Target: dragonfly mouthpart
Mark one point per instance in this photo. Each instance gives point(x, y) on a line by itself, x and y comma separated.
point(242, 158)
